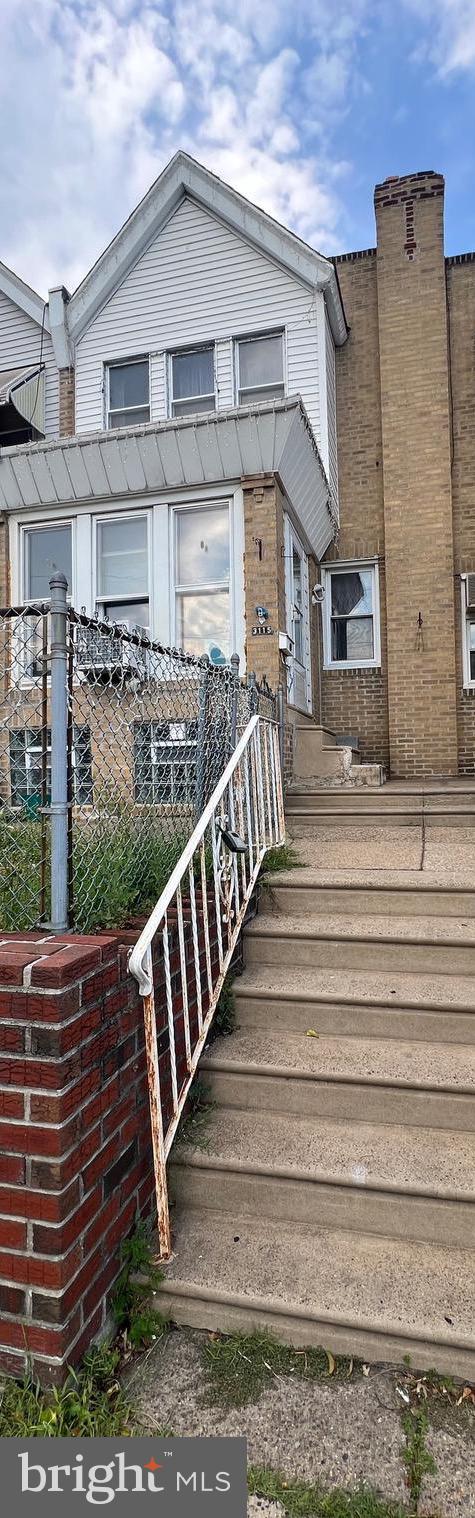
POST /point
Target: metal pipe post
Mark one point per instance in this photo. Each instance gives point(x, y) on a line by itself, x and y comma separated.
point(234, 702)
point(59, 753)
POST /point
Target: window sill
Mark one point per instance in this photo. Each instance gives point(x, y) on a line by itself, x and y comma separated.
point(352, 665)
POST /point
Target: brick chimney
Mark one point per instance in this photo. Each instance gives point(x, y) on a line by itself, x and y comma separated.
point(412, 319)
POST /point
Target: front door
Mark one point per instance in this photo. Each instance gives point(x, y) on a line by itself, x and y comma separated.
point(299, 686)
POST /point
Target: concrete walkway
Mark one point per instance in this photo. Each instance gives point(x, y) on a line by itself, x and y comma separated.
point(340, 1434)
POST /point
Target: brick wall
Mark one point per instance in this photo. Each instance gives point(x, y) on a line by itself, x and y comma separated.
point(413, 345)
point(460, 276)
point(355, 701)
point(76, 1164)
point(66, 403)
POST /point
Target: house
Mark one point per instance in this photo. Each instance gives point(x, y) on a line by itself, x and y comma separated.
point(248, 447)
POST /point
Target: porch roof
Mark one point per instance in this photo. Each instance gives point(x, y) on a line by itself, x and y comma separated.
point(271, 438)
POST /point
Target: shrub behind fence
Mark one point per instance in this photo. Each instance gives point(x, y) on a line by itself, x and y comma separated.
point(142, 733)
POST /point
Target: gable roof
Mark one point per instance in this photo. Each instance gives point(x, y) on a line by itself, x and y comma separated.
point(23, 296)
point(184, 176)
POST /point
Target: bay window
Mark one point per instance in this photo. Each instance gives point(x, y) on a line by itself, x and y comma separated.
point(259, 367)
point(45, 550)
point(192, 384)
point(202, 573)
point(128, 392)
point(122, 570)
point(351, 616)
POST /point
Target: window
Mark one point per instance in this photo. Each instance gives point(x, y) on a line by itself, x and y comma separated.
point(351, 616)
point(46, 549)
point(128, 393)
point(260, 368)
point(26, 762)
point(192, 381)
point(202, 563)
point(165, 762)
point(468, 622)
point(122, 570)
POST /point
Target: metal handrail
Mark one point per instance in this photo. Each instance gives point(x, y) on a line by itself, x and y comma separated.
point(242, 819)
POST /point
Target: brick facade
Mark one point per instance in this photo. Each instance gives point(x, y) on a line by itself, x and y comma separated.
point(355, 701)
point(67, 406)
point(405, 403)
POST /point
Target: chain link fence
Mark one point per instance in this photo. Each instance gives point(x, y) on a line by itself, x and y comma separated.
point(110, 747)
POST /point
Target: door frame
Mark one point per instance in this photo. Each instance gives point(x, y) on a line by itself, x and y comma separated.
point(292, 540)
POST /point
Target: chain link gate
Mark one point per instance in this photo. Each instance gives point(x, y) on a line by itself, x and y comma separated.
point(110, 747)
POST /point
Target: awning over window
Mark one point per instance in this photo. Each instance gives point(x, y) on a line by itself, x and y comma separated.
point(22, 404)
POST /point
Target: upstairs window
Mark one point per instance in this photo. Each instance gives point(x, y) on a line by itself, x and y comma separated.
point(351, 617)
point(192, 384)
point(46, 550)
point(260, 368)
point(128, 393)
point(122, 570)
point(202, 581)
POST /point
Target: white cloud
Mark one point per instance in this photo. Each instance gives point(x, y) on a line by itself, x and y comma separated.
point(96, 95)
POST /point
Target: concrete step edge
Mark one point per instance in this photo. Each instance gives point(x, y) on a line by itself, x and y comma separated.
point(285, 881)
point(275, 1307)
point(205, 1160)
point(336, 1078)
point(314, 998)
point(403, 941)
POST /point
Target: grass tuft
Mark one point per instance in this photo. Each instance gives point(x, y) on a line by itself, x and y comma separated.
point(238, 1367)
point(302, 1500)
point(90, 1405)
point(283, 858)
point(417, 1458)
point(193, 1129)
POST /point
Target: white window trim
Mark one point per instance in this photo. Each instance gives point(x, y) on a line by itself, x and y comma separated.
point(327, 571)
point(468, 683)
point(207, 347)
point(177, 587)
point(120, 363)
point(251, 337)
point(99, 598)
point(25, 527)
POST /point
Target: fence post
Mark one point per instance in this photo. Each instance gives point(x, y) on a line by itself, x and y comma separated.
point(234, 702)
point(253, 693)
point(203, 738)
point(59, 753)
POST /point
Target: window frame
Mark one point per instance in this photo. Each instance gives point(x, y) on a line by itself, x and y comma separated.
point(44, 526)
point(185, 754)
point(251, 337)
point(468, 683)
point(121, 363)
point(178, 588)
point(206, 347)
point(99, 600)
point(81, 780)
point(343, 566)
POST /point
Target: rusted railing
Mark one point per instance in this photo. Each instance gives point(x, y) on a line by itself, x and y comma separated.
point(202, 908)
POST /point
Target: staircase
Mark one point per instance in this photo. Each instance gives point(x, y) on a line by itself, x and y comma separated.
point(333, 1202)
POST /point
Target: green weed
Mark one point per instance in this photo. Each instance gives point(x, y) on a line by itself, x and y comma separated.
point(302, 1500)
point(239, 1366)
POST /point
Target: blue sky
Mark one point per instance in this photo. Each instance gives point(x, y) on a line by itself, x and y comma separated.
point(302, 107)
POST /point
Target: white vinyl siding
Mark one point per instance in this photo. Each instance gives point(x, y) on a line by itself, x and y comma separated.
point(20, 343)
point(199, 282)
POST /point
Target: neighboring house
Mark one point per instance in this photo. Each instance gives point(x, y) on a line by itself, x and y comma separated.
point(241, 419)
point(29, 383)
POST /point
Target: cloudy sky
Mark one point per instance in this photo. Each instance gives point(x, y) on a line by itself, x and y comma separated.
point(301, 106)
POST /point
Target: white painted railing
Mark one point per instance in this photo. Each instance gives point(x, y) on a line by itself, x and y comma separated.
point(243, 818)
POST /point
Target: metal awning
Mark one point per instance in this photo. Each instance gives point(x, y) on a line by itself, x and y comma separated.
point(22, 400)
point(131, 463)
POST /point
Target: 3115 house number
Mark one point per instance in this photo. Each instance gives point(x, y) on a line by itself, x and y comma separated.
point(262, 629)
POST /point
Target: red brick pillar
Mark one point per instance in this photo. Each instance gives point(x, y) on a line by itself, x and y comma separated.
point(75, 1156)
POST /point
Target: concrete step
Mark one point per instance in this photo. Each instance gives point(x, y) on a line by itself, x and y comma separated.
point(399, 1182)
point(358, 1003)
point(310, 798)
point(367, 1079)
point(429, 944)
point(298, 892)
point(355, 1294)
point(307, 822)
